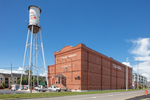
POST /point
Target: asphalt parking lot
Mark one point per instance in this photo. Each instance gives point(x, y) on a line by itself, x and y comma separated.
point(11, 92)
point(17, 91)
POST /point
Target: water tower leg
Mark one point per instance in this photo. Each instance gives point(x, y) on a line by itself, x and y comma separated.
point(30, 58)
point(24, 57)
point(37, 61)
point(43, 58)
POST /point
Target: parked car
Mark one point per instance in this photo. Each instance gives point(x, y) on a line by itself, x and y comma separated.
point(14, 87)
point(36, 88)
point(40, 88)
point(54, 88)
point(26, 87)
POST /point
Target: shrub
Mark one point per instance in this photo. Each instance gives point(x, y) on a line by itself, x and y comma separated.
point(9, 87)
point(1, 86)
point(6, 86)
point(140, 86)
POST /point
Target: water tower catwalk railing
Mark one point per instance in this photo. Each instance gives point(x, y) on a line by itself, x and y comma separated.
point(34, 46)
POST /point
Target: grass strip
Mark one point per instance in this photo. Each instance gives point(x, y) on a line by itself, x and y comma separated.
point(54, 94)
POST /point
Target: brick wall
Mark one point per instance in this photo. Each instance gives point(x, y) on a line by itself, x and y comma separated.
point(96, 71)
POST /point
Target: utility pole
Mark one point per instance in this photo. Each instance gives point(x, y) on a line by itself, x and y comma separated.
point(11, 68)
point(138, 73)
point(11, 73)
point(31, 78)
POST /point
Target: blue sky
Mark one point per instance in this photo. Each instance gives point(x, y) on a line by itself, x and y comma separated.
point(111, 27)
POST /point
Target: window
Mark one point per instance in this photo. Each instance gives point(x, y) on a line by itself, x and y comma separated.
point(1, 82)
point(14, 81)
point(1, 78)
point(15, 78)
point(65, 69)
point(6, 79)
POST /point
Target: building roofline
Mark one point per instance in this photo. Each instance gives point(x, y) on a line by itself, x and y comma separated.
point(83, 46)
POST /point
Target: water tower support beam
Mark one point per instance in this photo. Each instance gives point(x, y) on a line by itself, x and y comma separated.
point(30, 59)
point(43, 57)
point(37, 62)
point(24, 57)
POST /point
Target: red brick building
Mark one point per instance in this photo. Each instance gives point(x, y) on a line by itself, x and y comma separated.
point(81, 68)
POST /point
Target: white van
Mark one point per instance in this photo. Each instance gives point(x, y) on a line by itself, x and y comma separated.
point(14, 87)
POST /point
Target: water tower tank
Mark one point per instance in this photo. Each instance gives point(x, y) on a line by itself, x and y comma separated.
point(34, 18)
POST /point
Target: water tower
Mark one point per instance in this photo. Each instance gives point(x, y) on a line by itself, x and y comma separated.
point(34, 48)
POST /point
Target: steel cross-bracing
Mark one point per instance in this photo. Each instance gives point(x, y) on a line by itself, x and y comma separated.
point(34, 45)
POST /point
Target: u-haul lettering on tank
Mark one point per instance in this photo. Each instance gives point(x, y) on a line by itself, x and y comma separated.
point(34, 16)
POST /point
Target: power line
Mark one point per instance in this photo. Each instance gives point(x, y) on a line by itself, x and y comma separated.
point(9, 68)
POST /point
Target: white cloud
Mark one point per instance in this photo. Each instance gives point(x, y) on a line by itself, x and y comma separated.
point(143, 58)
point(19, 71)
point(141, 52)
point(141, 47)
point(126, 63)
point(8, 71)
point(20, 68)
point(5, 71)
point(43, 74)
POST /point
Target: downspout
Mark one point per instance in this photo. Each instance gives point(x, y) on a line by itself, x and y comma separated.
point(87, 71)
point(55, 64)
point(116, 77)
point(110, 75)
point(101, 73)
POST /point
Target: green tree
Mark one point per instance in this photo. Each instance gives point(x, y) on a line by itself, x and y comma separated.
point(41, 79)
point(6, 86)
point(24, 80)
point(140, 85)
point(18, 81)
point(27, 71)
point(3, 84)
point(33, 79)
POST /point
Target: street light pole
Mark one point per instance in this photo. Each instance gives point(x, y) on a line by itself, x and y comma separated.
point(138, 73)
point(127, 74)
